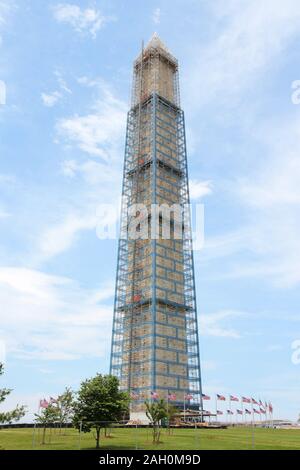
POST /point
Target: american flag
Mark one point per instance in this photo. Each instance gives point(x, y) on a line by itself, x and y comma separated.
point(229, 412)
point(205, 397)
point(246, 400)
point(44, 403)
point(260, 403)
point(232, 398)
point(188, 396)
point(172, 397)
point(254, 401)
point(257, 412)
point(219, 412)
point(134, 395)
point(263, 412)
point(154, 395)
point(239, 412)
point(221, 398)
point(247, 412)
point(270, 408)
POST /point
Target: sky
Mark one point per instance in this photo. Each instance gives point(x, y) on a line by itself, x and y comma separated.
point(67, 70)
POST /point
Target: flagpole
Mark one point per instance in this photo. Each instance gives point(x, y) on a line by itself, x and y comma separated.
point(260, 408)
point(253, 438)
point(230, 411)
point(216, 407)
point(272, 417)
point(266, 412)
point(242, 409)
point(271, 414)
point(168, 401)
point(184, 396)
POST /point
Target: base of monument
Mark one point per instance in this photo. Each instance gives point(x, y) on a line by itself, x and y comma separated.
point(139, 417)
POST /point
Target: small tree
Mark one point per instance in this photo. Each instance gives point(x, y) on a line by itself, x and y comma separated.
point(65, 407)
point(99, 401)
point(171, 411)
point(48, 416)
point(9, 416)
point(155, 412)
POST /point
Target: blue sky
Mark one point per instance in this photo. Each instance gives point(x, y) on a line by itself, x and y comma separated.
point(67, 69)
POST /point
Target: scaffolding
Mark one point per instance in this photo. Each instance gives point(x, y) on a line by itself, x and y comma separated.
point(155, 344)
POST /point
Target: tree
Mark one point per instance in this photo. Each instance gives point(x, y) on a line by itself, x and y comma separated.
point(65, 407)
point(155, 412)
point(171, 411)
point(99, 401)
point(9, 416)
point(47, 416)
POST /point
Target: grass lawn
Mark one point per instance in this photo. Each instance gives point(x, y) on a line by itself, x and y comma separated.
point(183, 439)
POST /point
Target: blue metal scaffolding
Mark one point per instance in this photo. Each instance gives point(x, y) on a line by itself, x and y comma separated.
point(155, 344)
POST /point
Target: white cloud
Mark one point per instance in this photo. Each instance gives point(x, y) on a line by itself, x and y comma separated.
point(51, 99)
point(100, 132)
point(92, 132)
point(270, 197)
point(276, 180)
point(2, 93)
point(58, 238)
point(5, 8)
point(274, 347)
point(156, 16)
point(227, 244)
point(249, 36)
point(87, 20)
point(249, 40)
point(208, 365)
point(200, 189)
point(7, 179)
point(62, 83)
point(4, 214)
point(92, 171)
point(212, 324)
point(97, 212)
point(52, 318)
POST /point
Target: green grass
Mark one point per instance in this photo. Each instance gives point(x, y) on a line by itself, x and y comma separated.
point(183, 439)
